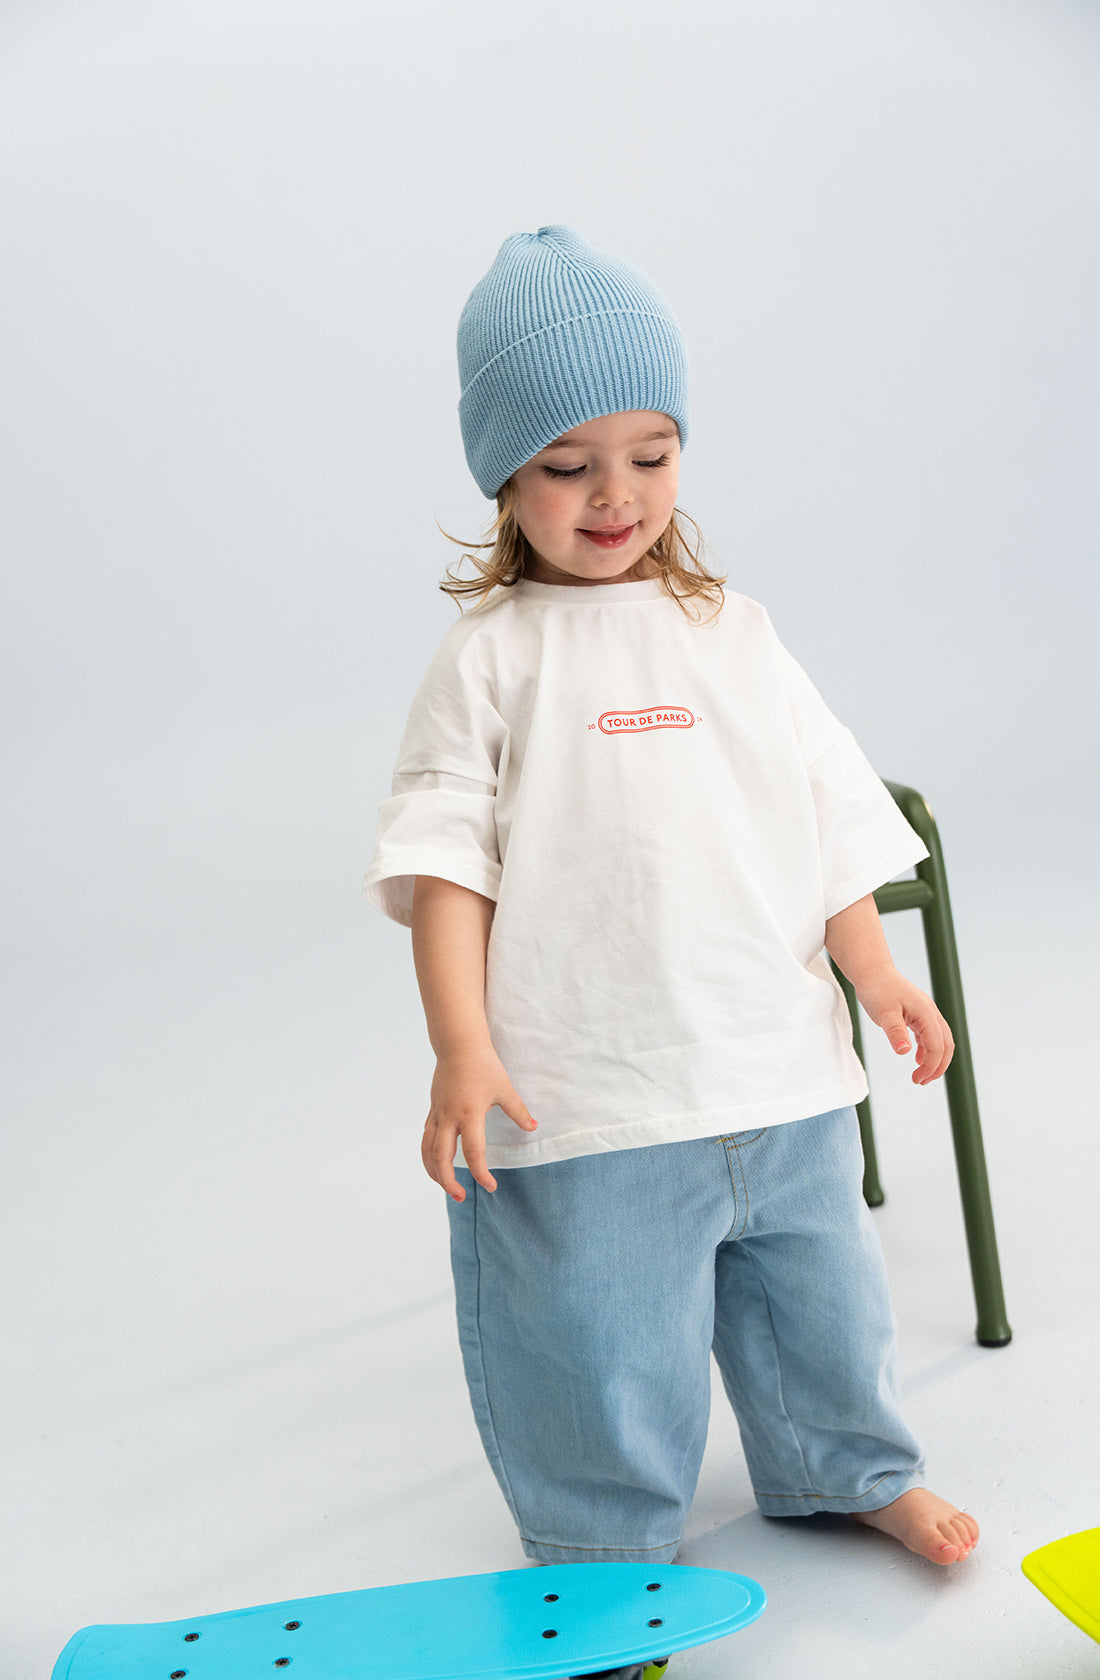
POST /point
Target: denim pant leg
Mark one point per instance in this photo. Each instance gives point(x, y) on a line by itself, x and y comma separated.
point(805, 1336)
point(585, 1298)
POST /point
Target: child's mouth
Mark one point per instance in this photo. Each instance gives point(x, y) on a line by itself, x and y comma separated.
point(608, 538)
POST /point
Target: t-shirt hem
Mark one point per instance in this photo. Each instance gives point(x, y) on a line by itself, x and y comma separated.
point(867, 880)
point(445, 762)
point(387, 891)
point(531, 1151)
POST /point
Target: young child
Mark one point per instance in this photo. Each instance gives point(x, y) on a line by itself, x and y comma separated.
point(625, 836)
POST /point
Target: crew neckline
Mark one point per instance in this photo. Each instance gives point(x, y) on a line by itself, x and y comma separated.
point(589, 594)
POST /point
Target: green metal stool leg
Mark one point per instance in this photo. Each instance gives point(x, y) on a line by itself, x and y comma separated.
point(962, 1096)
point(873, 1193)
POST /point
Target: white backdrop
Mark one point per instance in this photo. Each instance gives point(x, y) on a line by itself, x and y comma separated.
point(237, 237)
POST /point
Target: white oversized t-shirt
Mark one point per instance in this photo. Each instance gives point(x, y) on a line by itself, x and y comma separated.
point(665, 813)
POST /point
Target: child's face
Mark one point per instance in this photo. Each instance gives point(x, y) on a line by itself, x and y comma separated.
point(618, 476)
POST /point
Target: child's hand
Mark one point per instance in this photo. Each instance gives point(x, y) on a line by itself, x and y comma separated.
point(901, 1009)
point(466, 1084)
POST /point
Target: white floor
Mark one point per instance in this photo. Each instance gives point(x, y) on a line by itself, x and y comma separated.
point(235, 1377)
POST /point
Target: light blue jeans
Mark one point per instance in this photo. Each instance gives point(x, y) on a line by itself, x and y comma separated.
point(590, 1294)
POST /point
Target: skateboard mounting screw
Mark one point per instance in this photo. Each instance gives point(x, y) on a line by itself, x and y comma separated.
point(291, 1627)
point(550, 1598)
point(656, 1622)
point(188, 1637)
point(550, 1633)
point(178, 1673)
point(654, 1586)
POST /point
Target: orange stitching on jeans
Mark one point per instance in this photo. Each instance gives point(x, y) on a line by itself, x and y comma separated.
point(740, 1199)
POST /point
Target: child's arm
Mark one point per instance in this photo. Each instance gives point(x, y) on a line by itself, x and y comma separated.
point(855, 941)
point(450, 936)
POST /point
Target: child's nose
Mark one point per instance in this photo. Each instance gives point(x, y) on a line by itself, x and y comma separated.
point(611, 490)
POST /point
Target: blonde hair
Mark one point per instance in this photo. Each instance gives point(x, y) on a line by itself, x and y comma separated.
point(511, 555)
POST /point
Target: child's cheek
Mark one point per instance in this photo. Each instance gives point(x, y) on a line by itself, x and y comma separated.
point(558, 507)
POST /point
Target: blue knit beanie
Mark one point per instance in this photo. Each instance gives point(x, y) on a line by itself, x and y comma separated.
point(555, 334)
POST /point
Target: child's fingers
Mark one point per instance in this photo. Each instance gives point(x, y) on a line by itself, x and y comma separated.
point(893, 1025)
point(474, 1151)
point(445, 1178)
point(426, 1142)
point(914, 1017)
point(438, 1153)
point(518, 1112)
point(935, 1047)
point(934, 1068)
point(430, 1154)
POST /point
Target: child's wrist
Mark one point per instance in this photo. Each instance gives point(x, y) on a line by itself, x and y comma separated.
point(471, 1043)
point(873, 977)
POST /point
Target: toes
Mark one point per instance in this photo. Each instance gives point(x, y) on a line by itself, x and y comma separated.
point(960, 1536)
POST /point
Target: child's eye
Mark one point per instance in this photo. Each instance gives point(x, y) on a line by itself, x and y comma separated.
point(575, 472)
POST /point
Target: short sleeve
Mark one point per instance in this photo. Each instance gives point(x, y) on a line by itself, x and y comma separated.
point(863, 838)
point(440, 818)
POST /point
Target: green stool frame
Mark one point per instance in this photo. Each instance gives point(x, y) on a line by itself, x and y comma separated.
point(928, 894)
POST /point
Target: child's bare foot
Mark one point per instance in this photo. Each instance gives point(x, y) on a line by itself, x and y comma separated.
point(927, 1524)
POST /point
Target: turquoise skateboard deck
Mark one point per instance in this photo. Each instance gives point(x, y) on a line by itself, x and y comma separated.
point(521, 1624)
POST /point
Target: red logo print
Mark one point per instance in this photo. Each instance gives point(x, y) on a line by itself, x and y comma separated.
point(653, 717)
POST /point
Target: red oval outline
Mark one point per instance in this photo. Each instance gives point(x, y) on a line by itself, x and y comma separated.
point(644, 711)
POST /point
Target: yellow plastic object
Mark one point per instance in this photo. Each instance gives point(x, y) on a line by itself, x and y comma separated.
point(1068, 1572)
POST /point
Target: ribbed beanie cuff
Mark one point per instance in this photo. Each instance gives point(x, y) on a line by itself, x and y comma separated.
point(557, 333)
